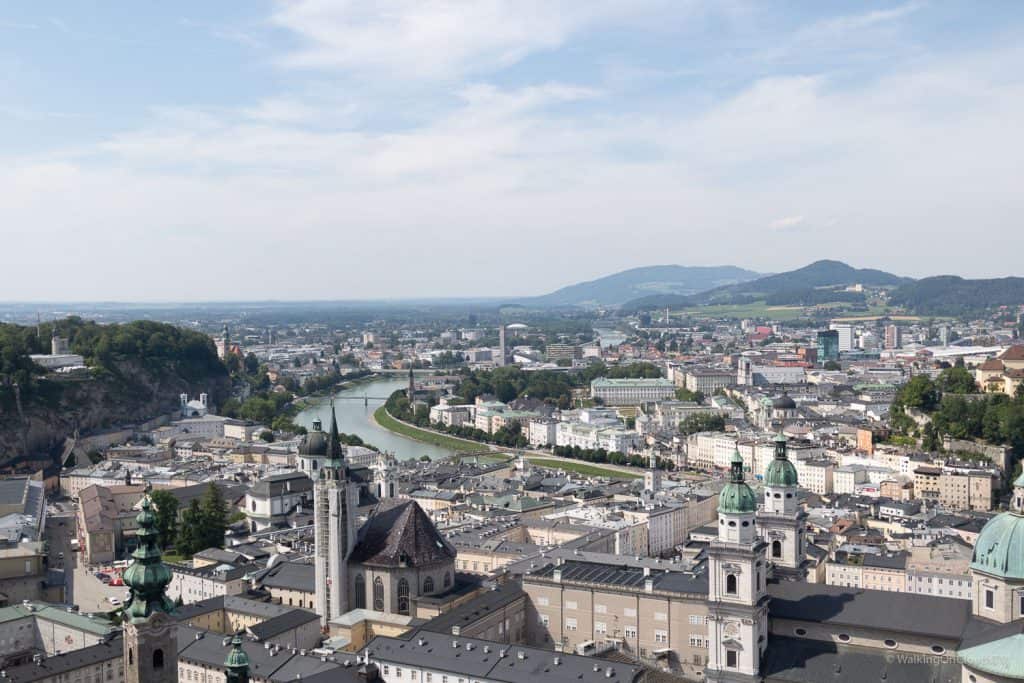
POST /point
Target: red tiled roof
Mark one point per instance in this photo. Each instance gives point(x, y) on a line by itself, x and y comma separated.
point(1013, 353)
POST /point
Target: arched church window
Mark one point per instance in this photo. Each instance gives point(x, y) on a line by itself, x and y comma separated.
point(730, 584)
point(403, 596)
point(158, 659)
point(428, 585)
point(447, 579)
point(378, 594)
point(131, 656)
point(359, 599)
point(776, 548)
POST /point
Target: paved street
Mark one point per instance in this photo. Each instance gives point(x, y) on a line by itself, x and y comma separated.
point(83, 589)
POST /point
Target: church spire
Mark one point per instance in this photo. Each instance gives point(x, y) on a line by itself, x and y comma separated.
point(147, 577)
point(335, 454)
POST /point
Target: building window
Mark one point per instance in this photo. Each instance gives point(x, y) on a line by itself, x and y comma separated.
point(447, 579)
point(428, 585)
point(570, 624)
point(938, 649)
point(631, 631)
point(800, 631)
point(990, 598)
point(158, 659)
point(378, 594)
point(730, 659)
point(661, 636)
point(776, 548)
point(601, 609)
point(600, 627)
point(889, 643)
point(844, 637)
point(629, 612)
point(570, 604)
point(359, 599)
point(730, 584)
point(403, 596)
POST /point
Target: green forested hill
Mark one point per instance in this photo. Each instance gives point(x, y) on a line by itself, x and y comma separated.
point(135, 371)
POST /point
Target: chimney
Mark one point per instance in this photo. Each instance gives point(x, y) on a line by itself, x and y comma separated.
point(521, 655)
point(648, 585)
point(557, 576)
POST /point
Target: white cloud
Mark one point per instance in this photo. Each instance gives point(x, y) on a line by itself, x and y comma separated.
point(500, 189)
point(440, 38)
point(787, 223)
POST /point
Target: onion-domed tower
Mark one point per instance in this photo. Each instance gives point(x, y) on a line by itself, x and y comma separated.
point(150, 633)
point(236, 666)
point(781, 521)
point(737, 585)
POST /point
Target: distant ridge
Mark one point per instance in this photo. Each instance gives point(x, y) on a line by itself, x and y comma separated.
point(616, 289)
point(954, 295)
point(800, 286)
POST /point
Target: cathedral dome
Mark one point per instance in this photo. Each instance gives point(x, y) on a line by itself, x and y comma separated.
point(737, 497)
point(784, 402)
point(781, 472)
point(314, 443)
point(1000, 547)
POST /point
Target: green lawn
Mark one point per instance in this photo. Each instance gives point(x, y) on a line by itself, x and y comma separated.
point(582, 468)
point(441, 440)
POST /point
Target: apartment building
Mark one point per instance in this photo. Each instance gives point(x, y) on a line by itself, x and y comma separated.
point(941, 568)
point(955, 489)
point(593, 607)
point(631, 392)
point(815, 475)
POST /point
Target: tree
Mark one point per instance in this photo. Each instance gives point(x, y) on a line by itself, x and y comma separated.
point(956, 380)
point(166, 516)
point(920, 392)
point(832, 365)
point(215, 517)
point(190, 533)
point(702, 422)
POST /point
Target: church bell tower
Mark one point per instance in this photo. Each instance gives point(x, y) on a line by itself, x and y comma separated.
point(737, 586)
point(334, 529)
point(150, 633)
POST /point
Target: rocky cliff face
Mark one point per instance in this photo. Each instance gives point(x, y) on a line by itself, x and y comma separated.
point(95, 401)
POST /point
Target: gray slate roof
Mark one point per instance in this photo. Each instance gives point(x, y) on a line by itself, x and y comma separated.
point(883, 610)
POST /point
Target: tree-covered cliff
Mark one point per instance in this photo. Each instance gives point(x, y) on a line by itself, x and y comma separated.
point(136, 371)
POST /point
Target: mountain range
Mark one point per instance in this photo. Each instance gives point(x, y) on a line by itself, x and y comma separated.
point(824, 281)
point(627, 285)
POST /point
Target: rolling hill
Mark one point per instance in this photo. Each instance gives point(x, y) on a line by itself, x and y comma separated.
point(806, 286)
point(954, 295)
point(613, 290)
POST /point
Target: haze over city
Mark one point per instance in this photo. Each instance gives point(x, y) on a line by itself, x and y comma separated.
point(196, 151)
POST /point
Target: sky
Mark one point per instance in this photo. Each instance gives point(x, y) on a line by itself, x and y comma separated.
point(316, 149)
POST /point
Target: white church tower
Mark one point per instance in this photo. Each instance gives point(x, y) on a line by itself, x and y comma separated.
point(334, 529)
point(781, 521)
point(737, 586)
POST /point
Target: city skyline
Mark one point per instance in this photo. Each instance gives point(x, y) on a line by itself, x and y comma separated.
point(304, 151)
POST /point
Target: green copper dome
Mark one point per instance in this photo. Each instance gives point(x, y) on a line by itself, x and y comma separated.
point(148, 577)
point(1000, 547)
point(237, 659)
point(737, 497)
point(781, 471)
